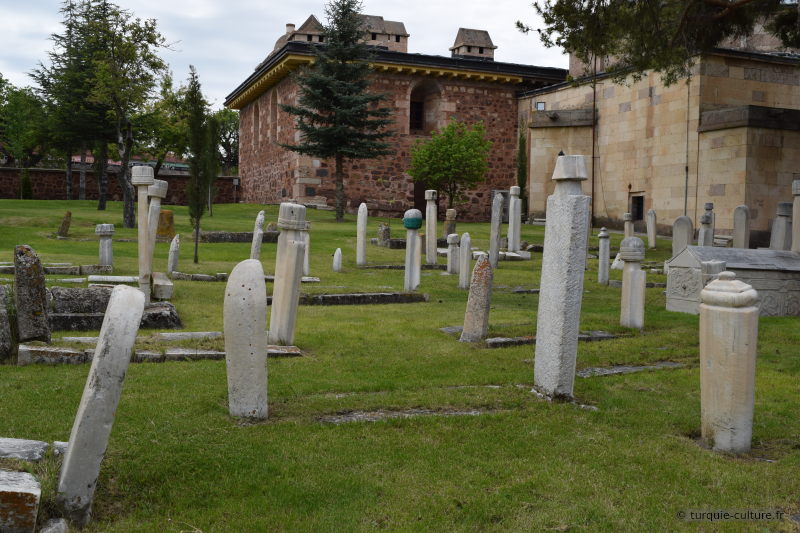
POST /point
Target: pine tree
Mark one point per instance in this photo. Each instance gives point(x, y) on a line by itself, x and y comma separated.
point(335, 115)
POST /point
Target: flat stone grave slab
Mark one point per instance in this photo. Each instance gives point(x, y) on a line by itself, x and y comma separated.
point(374, 416)
point(19, 502)
point(71, 280)
point(160, 315)
point(523, 290)
point(403, 267)
point(48, 355)
point(163, 336)
point(650, 285)
point(115, 280)
point(366, 298)
point(304, 279)
point(193, 354)
point(237, 236)
point(504, 342)
point(22, 449)
point(624, 369)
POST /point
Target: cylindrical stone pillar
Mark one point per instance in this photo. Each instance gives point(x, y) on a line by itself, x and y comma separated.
point(495, 229)
point(361, 235)
point(631, 251)
point(464, 261)
point(651, 228)
point(288, 272)
point(796, 216)
point(514, 220)
point(430, 226)
point(258, 236)
point(142, 178)
point(728, 339)
point(245, 314)
point(603, 257)
point(412, 221)
point(452, 253)
point(563, 265)
point(157, 192)
point(627, 221)
point(105, 232)
point(417, 270)
point(476, 317)
point(307, 252)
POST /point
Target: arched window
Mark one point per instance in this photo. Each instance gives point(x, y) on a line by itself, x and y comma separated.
point(423, 114)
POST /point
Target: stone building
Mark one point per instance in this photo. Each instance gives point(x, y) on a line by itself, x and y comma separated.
point(426, 91)
point(729, 135)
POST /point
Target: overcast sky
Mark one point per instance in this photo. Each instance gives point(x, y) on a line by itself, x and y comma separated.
point(225, 40)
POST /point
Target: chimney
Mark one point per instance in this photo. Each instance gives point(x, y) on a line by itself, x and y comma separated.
point(289, 28)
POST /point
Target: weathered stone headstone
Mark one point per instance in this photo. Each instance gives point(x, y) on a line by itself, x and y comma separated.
point(166, 225)
point(361, 235)
point(63, 229)
point(174, 253)
point(6, 338)
point(307, 250)
point(633, 283)
point(682, 234)
point(741, 227)
point(384, 234)
point(627, 222)
point(337, 260)
point(412, 221)
point(705, 236)
point(476, 317)
point(449, 222)
point(19, 502)
point(417, 270)
point(796, 216)
point(495, 228)
point(288, 273)
point(651, 228)
point(514, 219)
point(603, 257)
point(30, 296)
point(105, 232)
point(452, 253)
point(157, 192)
point(781, 236)
point(258, 236)
point(465, 258)
point(245, 314)
point(142, 178)
point(709, 210)
point(728, 340)
point(563, 265)
point(430, 226)
point(92, 428)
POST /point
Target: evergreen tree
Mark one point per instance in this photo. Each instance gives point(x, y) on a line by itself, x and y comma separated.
point(336, 116)
point(522, 166)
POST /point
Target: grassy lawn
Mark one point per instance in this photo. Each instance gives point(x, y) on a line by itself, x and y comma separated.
point(177, 462)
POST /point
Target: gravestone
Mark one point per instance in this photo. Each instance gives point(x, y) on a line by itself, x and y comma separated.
point(307, 250)
point(412, 221)
point(464, 260)
point(651, 228)
point(494, 229)
point(705, 236)
point(476, 317)
point(563, 265)
point(157, 192)
point(288, 273)
point(166, 225)
point(258, 236)
point(361, 235)
point(603, 257)
point(682, 234)
point(6, 338)
point(796, 216)
point(781, 236)
point(728, 342)
point(104, 233)
point(63, 229)
point(142, 178)
point(245, 314)
point(452, 253)
point(430, 226)
point(30, 296)
point(449, 222)
point(741, 227)
point(174, 253)
point(633, 283)
point(514, 219)
point(384, 234)
point(337, 260)
point(627, 222)
point(20, 494)
point(90, 432)
point(709, 210)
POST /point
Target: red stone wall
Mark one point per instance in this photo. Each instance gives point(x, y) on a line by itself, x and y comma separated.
point(50, 184)
point(268, 170)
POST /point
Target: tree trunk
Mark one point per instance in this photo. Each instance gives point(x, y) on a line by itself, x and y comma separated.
point(124, 146)
point(82, 179)
point(196, 240)
point(102, 179)
point(339, 188)
point(210, 203)
point(159, 164)
point(69, 175)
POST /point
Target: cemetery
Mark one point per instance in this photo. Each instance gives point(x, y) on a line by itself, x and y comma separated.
point(457, 394)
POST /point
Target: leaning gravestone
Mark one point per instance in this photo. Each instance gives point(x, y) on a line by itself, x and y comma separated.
point(495, 228)
point(682, 234)
point(245, 314)
point(476, 317)
point(563, 265)
point(258, 236)
point(741, 227)
point(90, 432)
point(289, 260)
point(157, 192)
point(31, 296)
point(63, 229)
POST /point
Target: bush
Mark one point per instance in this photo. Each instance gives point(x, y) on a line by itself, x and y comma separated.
point(25, 186)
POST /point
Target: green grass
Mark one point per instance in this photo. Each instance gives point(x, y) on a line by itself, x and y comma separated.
point(177, 462)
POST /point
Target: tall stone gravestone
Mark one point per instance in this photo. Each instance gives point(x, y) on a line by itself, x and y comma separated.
point(728, 340)
point(452, 253)
point(781, 236)
point(258, 236)
point(288, 273)
point(337, 260)
point(651, 228)
point(476, 317)
point(603, 257)
point(92, 428)
point(741, 227)
point(307, 250)
point(430, 226)
point(563, 265)
point(245, 314)
point(633, 283)
point(514, 219)
point(627, 222)
point(157, 192)
point(709, 210)
point(705, 236)
point(174, 254)
point(30, 296)
point(361, 235)
point(449, 222)
point(412, 221)
point(464, 260)
point(63, 229)
point(495, 228)
point(105, 232)
point(142, 178)
point(682, 234)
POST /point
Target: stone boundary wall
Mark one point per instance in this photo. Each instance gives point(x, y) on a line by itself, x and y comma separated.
point(50, 184)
